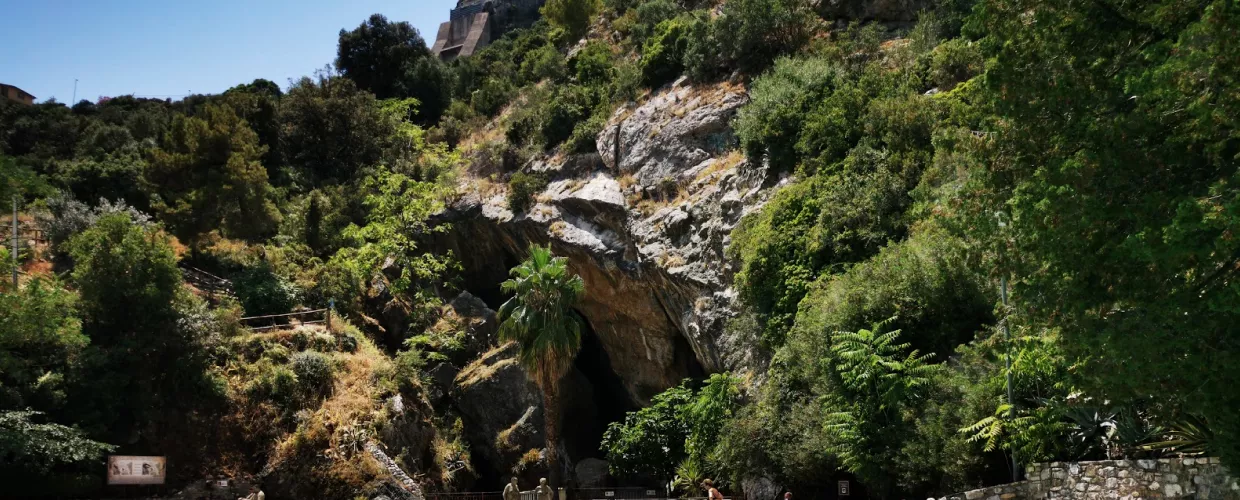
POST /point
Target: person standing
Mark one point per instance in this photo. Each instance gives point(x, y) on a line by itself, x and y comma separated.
point(711, 492)
point(512, 491)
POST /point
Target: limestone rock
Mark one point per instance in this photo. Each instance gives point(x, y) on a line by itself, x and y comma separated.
point(501, 408)
point(591, 473)
point(672, 131)
point(761, 488)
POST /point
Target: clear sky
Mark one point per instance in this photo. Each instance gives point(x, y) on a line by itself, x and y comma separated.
point(171, 47)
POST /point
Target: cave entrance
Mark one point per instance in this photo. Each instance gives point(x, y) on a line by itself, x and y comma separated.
point(588, 414)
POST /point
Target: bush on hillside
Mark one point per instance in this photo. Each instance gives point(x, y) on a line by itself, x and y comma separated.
point(663, 53)
point(521, 190)
point(758, 31)
point(314, 371)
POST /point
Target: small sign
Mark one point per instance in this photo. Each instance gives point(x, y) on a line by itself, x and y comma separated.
point(609, 493)
point(845, 488)
point(651, 493)
point(136, 470)
point(222, 483)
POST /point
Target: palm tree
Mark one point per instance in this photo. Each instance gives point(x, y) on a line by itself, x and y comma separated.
point(539, 318)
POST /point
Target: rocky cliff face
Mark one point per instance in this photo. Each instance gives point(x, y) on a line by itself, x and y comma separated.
point(646, 224)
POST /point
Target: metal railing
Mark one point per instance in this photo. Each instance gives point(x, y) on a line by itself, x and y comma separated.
point(271, 321)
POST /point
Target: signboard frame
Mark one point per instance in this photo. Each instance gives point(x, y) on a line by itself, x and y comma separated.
point(844, 487)
point(137, 470)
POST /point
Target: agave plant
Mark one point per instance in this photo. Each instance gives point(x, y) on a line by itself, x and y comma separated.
point(689, 476)
point(1189, 436)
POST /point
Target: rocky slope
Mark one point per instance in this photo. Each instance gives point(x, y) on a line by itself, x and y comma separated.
point(646, 224)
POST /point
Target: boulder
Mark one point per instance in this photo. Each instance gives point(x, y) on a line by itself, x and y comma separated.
point(761, 488)
point(591, 473)
point(501, 408)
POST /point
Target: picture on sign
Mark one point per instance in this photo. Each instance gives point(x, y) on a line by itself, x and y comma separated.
point(136, 470)
point(844, 488)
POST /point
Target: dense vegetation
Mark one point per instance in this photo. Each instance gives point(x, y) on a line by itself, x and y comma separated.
point(1083, 152)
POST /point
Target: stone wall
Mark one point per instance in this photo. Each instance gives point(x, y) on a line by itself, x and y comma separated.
point(1198, 478)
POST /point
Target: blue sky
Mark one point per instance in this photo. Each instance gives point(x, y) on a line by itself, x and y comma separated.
point(171, 47)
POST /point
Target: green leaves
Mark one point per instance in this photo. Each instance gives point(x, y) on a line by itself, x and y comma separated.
point(678, 435)
point(539, 316)
point(880, 380)
point(40, 448)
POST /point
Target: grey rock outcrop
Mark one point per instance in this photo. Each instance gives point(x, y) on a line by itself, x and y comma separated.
point(502, 409)
point(673, 131)
point(591, 473)
point(647, 230)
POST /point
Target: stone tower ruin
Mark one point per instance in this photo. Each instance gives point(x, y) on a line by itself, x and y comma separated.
point(474, 23)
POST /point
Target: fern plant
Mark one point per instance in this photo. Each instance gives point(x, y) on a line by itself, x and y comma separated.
point(880, 379)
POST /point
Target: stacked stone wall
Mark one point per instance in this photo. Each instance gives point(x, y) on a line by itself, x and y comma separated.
point(1197, 478)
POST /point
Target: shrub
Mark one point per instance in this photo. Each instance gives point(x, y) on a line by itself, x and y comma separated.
point(492, 96)
point(593, 64)
point(314, 370)
point(702, 56)
point(585, 135)
point(570, 105)
point(758, 31)
point(262, 291)
point(571, 16)
point(663, 53)
point(769, 126)
point(627, 83)
point(545, 62)
point(647, 17)
point(953, 62)
point(522, 188)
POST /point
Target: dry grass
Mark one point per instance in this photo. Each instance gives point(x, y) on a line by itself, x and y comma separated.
point(480, 371)
point(557, 228)
point(626, 181)
point(670, 259)
point(728, 162)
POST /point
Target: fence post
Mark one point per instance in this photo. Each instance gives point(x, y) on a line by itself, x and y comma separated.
point(331, 304)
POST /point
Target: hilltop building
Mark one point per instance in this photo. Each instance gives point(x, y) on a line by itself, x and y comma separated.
point(474, 23)
point(15, 94)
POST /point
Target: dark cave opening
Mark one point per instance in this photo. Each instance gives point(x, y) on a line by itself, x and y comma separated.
point(588, 414)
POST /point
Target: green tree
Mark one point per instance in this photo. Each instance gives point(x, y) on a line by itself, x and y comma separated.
point(46, 458)
point(331, 131)
point(40, 339)
point(391, 60)
point(650, 442)
point(540, 319)
point(258, 103)
point(400, 209)
point(571, 16)
point(1113, 154)
point(206, 174)
point(144, 364)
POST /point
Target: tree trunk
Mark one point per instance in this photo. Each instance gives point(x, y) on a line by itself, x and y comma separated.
point(551, 427)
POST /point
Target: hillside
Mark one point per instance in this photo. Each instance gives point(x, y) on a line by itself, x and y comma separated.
point(792, 223)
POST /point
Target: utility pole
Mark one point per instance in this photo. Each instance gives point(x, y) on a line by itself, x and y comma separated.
point(1007, 346)
point(14, 243)
point(1007, 343)
point(74, 93)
